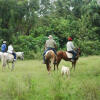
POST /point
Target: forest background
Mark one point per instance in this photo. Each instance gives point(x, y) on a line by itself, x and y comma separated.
point(27, 24)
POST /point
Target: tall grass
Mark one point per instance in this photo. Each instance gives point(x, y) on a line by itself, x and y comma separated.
point(30, 81)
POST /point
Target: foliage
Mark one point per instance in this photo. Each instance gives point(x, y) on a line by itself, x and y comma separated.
point(27, 23)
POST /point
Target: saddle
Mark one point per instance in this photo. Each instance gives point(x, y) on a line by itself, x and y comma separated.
point(47, 52)
point(69, 55)
point(10, 56)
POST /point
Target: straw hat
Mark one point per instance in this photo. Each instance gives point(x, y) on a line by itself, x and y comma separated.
point(50, 37)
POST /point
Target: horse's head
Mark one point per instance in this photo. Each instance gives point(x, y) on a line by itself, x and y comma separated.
point(60, 54)
point(78, 51)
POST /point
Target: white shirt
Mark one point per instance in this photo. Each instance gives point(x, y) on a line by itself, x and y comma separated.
point(10, 49)
point(70, 46)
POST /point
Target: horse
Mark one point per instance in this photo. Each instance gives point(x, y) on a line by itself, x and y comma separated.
point(65, 56)
point(20, 55)
point(50, 58)
point(7, 58)
point(0, 55)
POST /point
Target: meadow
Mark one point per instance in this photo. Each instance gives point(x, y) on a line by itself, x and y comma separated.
point(30, 81)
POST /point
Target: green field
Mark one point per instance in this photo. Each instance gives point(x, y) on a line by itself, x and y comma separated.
point(30, 81)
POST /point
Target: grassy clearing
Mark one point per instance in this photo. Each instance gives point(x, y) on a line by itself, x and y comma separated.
point(30, 81)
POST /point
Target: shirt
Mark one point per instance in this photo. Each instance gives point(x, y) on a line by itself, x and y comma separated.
point(50, 43)
point(70, 46)
point(3, 47)
point(10, 49)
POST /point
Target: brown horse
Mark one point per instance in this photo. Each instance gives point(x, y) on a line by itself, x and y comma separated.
point(50, 58)
point(62, 55)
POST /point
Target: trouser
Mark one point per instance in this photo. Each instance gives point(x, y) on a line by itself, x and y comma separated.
point(74, 54)
point(47, 50)
point(14, 54)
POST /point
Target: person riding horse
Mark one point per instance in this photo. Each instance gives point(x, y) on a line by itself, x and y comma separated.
point(3, 47)
point(49, 45)
point(11, 51)
point(71, 48)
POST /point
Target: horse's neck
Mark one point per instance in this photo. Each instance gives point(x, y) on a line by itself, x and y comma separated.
point(61, 55)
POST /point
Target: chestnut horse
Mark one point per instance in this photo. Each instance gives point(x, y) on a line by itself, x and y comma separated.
point(62, 55)
point(50, 58)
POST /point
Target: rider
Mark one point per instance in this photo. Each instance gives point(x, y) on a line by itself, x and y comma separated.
point(11, 51)
point(71, 48)
point(49, 45)
point(3, 47)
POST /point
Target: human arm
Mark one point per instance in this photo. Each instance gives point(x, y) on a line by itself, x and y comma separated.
point(72, 45)
point(45, 46)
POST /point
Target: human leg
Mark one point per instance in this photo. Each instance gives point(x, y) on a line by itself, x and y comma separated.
point(14, 54)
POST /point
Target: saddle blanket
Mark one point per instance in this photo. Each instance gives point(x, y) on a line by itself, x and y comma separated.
point(69, 55)
point(48, 51)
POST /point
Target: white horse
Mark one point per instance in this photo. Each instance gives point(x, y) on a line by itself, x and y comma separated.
point(20, 55)
point(7, 58)
point(0, 55)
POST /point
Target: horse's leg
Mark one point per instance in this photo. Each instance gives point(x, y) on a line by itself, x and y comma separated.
point(55, 62)
point(8, 65)
point(12, 66)
point(73, 65)
point(2, 68)
point(58, 62)
point(48, 67)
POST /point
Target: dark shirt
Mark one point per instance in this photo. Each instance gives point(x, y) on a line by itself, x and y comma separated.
point(3, 48)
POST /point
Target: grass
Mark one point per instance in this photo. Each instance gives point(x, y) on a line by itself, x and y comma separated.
point(30, 81)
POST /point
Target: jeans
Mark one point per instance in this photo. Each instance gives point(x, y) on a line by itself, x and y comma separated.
point(14, 54)
point(74, 54)
point(49, 48)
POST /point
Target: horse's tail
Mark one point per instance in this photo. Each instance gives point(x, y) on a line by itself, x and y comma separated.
point(4, 60)
point(51, 56)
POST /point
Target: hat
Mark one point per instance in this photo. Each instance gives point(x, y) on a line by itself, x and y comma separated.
point(69, 39)
point(4, 41)
point(50, 37)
